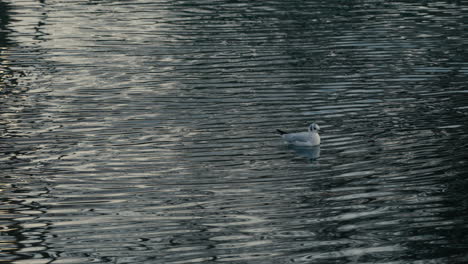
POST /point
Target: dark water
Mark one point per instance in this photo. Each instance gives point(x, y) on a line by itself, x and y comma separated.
point(143, 131)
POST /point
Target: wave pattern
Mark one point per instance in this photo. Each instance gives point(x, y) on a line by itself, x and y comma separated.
point(143, 132)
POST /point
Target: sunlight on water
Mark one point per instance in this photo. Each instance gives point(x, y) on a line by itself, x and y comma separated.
point(144, 132)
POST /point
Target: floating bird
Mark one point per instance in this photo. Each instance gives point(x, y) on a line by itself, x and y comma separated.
point(310, 138)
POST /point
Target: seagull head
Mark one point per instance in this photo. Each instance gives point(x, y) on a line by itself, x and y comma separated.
point(314, 128)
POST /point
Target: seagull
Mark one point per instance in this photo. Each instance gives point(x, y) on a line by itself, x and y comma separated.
point(309, 139)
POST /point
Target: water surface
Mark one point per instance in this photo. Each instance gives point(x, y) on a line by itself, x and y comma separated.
point(144, 131)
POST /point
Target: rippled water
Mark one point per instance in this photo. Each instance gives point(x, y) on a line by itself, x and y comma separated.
point(144, 131)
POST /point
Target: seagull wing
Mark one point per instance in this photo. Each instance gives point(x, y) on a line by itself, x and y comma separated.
point(297, 137)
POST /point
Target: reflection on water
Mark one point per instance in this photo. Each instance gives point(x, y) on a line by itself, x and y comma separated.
point(143, 132)
point(311, 153)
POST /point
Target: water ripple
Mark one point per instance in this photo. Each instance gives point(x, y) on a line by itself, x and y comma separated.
point(144, 132)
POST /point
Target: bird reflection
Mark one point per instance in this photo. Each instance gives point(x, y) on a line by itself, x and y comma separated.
point(311, 153)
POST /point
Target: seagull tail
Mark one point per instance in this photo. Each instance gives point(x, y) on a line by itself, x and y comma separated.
point(281, 132)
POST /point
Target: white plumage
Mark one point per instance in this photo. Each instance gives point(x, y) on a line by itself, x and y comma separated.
point(309, 138)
